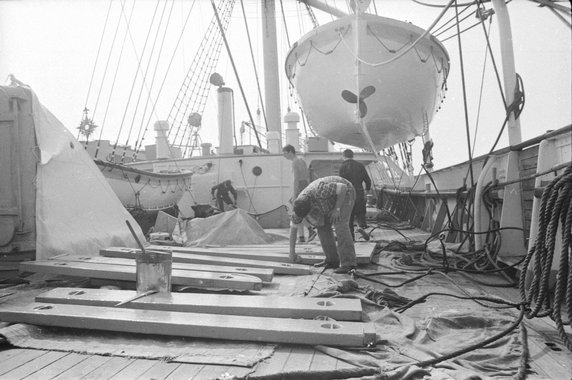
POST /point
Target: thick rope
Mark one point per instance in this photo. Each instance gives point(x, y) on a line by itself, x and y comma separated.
point(555, 211)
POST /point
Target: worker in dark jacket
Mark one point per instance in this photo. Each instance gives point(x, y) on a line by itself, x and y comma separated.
point(220, 193)
point(355, 172)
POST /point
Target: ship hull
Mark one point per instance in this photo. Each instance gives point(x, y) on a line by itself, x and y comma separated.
point(144, 190)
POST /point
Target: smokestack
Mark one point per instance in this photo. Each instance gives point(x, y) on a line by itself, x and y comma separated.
point(292, 133)
point(161, 141)
point(225, 120)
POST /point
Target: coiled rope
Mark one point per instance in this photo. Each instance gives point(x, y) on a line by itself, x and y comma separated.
point(555, 211)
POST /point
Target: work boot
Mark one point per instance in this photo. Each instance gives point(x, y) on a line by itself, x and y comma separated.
point(327, 265)
point(344, 270)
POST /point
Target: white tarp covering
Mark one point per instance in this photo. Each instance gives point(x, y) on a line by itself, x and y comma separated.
point(77, 212)
point(228, 228)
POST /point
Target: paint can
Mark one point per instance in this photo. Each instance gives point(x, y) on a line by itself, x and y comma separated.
point(153, 271)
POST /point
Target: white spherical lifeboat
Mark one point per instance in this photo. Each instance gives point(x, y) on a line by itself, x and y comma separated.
point(386, 79)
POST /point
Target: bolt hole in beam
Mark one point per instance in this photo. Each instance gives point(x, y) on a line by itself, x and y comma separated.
point(226, 277)
point(43, 307)
point(331, 326)
point(326, 303)
point(553, 346)
point(76, 293)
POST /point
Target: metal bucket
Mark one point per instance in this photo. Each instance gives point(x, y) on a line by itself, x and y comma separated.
point(153, 271)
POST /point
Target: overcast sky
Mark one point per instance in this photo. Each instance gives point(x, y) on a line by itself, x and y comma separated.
point(52, 46)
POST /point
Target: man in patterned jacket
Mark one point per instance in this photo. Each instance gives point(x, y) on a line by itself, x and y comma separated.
point(327, 202)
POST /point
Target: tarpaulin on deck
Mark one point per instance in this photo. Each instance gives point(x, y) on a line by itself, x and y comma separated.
point(172, 349)
point(229, 228)
point(77, 212)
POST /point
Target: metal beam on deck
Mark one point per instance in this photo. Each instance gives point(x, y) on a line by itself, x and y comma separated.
point(202, 280)
point(256, 306)
point(197, 325)
point(262, 273)
point(279, 268)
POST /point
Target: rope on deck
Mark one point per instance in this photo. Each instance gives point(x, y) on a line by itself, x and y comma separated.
point(555, 211)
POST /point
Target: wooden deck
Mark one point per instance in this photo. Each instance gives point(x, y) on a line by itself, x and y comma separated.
point(549, 358)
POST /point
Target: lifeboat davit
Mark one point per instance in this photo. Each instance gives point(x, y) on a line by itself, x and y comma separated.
point(366, 72)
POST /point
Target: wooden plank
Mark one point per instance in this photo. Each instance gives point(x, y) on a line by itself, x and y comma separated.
point(7, 354)
point(58, 366)
point(35, 365)
point(542, 351)
point(136, 368)
point(125, 273)
point(198, 325)
point(275, 363)
point(541, 361)
point(239, 372)
point(279, 268)
point(186, 371)
point(107, 370)
point(213, 372)
point(261, 273)
point(322, 362)
point(161, 370)
point(84, 368)
point(299, 359)
point(19, 358)
point(309, 254)
point(257, 306)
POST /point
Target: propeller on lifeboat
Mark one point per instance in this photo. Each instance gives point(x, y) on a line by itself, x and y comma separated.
point(352, 98)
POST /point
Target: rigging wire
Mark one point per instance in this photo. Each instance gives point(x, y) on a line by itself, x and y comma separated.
point(487, 38)
point(194, 87)
point(439, 30)
point(411, 46)
point(97, 58)
point(102, 81)
point(464, 97)
point(153, 77)
point(234, 69)
point(440, 6)
point(113, 82)
point(143, 74)
point(141, 136)
point(480, 96)
point(461, 32)
point(254, 68)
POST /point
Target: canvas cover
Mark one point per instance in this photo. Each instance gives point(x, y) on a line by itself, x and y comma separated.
point(77, 212)
point(233, 227)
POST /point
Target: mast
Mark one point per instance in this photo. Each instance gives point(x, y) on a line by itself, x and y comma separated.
point(271, 78)
point(513, 239)
point(508, 67)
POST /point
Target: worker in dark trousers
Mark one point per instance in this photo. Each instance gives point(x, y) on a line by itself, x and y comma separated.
point(222, 192)
point(355, 172)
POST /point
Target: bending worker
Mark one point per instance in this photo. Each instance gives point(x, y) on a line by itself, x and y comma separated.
point(221, 193)
point(327, 202)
